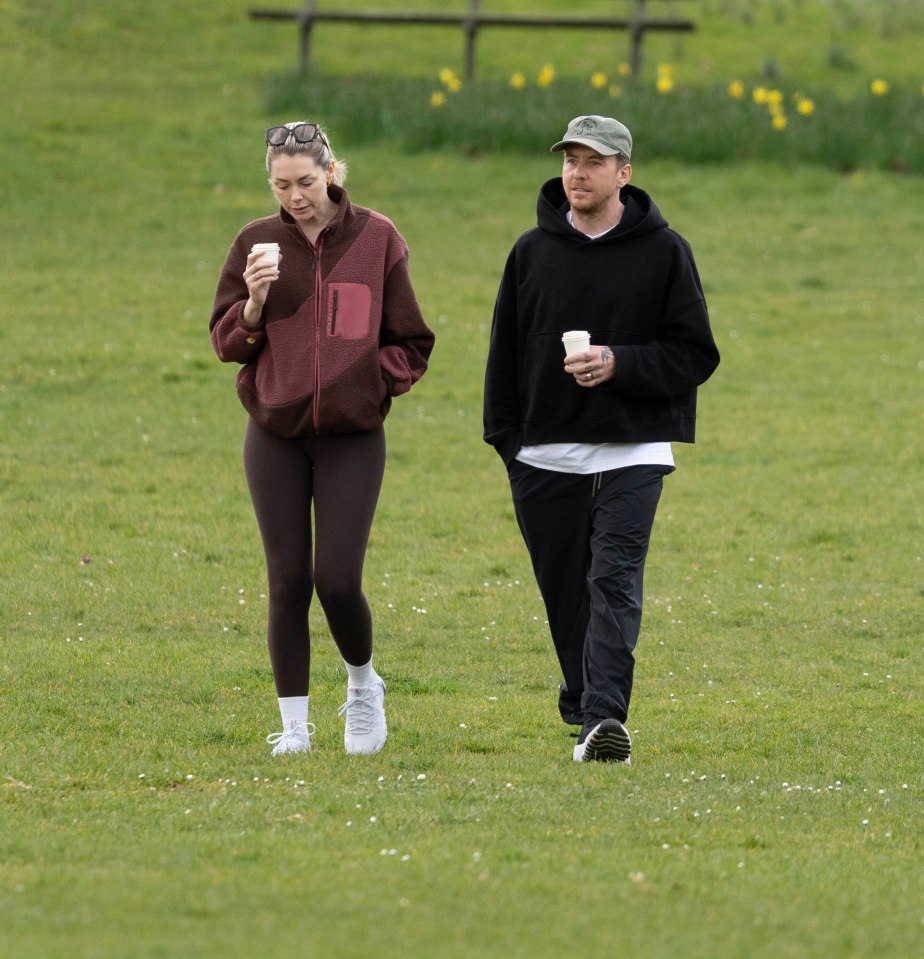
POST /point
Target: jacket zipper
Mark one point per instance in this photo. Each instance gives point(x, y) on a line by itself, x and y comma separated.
point(333, 319)
point(597, 483)
point(318, 317)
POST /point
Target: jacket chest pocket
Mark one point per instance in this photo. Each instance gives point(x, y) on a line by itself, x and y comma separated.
point(349, 307)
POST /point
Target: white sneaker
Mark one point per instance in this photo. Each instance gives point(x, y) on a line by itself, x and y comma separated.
point(365, 719)
point(294, 738)
point(606, 742)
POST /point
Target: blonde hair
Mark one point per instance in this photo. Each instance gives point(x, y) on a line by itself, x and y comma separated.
point(319, 149)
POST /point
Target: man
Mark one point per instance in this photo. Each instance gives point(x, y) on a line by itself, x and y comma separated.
point(586, 439)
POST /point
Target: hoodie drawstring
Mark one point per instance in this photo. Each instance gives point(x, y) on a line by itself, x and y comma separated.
point(597, 483)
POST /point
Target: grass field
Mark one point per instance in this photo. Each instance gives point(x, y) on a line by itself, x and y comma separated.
point(774, 803)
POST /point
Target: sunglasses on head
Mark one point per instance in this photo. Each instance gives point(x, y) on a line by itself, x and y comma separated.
point(301, 133)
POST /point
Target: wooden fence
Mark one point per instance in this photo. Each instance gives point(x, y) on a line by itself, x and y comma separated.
point(637, 24)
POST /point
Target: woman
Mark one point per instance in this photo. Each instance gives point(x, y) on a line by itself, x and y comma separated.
point(327, 336)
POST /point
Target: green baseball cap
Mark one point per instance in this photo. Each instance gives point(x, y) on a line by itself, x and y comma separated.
point(603, 134)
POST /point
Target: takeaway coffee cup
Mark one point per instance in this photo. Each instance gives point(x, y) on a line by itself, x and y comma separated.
point(575, 341)
point(269, 253)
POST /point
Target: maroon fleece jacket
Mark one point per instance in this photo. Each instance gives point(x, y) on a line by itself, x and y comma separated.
point(342, 331)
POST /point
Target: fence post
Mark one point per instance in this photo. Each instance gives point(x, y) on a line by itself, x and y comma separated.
point(305, 23)
point(471, 35)
point(636, 32)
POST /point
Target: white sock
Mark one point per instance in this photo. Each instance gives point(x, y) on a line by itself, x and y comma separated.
point(360, 675)
point(293, 709)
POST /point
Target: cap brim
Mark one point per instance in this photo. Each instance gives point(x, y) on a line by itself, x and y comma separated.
point(600, 148)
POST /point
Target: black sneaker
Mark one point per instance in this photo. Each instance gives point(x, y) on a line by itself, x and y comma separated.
point(606, 742)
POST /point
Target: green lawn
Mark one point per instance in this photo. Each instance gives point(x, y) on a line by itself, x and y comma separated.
point(773, 805)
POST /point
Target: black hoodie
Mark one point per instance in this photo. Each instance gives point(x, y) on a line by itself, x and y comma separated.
point(637, 290)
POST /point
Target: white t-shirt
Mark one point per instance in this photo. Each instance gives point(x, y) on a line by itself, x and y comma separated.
point(595, 457)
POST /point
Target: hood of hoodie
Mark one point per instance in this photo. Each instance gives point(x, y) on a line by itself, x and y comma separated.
point(639, 218)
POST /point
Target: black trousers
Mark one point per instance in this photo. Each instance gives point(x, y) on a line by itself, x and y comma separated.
point(588, 537)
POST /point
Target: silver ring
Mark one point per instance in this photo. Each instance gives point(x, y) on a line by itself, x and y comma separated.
point(588, 376)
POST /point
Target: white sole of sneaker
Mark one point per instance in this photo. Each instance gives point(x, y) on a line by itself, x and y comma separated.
point(353, 750)
point(291, 749)
point(607, 743)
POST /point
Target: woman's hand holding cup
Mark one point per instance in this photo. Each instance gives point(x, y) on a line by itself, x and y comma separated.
point(261, 270)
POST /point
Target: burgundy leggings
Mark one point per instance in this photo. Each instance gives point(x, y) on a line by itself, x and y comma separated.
point(342, 475)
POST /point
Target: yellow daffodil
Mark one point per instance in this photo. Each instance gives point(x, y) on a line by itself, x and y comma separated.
point(437, 99)
point(805, 106)
point(736, 89)
point(598, 80)
point(774, 98)
point(665, 84)
point(759, 95)
point(546, 76)
point(779, 121)
point(624, 69)
point(615, 91)
point(879, 88)
point(449, 80)
point(518, 81)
